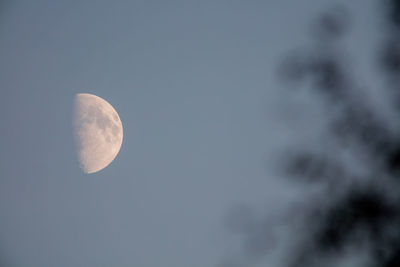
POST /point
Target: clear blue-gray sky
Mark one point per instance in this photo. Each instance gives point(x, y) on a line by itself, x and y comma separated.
point(194, 84)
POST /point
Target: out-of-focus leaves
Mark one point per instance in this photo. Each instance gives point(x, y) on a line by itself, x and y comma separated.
point(391, 56)
point(332, 24)
point(310, 167)
point(394, 12)
point(363, 215)
point(362, 210)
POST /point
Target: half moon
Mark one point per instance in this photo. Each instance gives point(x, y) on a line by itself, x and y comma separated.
point(98, 132)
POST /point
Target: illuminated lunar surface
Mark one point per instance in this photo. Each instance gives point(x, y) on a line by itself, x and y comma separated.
point(98, 132)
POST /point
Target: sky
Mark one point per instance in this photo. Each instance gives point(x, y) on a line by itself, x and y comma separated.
point(194, 83)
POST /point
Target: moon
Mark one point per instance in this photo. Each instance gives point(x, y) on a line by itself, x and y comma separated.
point(98, 132)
